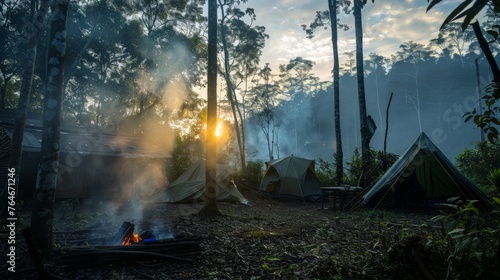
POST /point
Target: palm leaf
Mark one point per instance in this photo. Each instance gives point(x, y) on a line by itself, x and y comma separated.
point(432, 4)
point(471, 12)
point(452, 16)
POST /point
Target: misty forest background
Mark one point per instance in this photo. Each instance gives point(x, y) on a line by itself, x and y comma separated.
point(141, 65)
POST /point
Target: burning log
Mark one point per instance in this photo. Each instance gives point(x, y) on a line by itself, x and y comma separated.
point(137, 249)
point(117, 255)
point(126, 235)
point(75, 258)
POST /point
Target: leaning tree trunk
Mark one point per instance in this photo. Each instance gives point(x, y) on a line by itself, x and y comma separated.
point(480, 106)
point(210, 195)
point(365, 140)
point(33, 32)
point(385, 163)
point(487, 52)
point(339, 156)
point(43, 206)
point(230, 90)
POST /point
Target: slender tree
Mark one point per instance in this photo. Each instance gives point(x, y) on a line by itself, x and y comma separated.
point(363, 118)
point(43, 205)
point(298, 82)
point(297, 77)
point(242, 46)
point(385, 163)
point(375, 67)
point(415, 54)
point(9, 66)
point(339, 155)
point(349, 66)
point(32, 33)
point(453, 40)
point(468, 10)
point(210, 195)
point(231, 96)
point(331, 17)
point(263, 101)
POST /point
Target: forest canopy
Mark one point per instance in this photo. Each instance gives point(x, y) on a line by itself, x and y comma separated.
point(128, 61)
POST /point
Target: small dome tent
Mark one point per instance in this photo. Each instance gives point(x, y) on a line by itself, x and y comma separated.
point(291, 176)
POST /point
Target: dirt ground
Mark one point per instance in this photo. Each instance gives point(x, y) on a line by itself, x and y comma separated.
point(267, 239)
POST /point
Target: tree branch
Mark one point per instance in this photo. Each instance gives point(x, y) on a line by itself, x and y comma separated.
point(487, 52)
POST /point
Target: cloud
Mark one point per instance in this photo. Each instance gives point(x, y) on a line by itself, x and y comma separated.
point(386, 24)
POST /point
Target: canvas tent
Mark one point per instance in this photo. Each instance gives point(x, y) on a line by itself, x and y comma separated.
point(422, 176)
point(191, 185)
point(291, 176)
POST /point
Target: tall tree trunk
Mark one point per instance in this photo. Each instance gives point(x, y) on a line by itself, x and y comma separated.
point(480, 105)
point(339, 155)
point(43, 206)
point(387, 122)
point(230, 90)
point(3, 91)
point(210, 195)
point(377, 88)
point(385, 163)
point(33, 32)
point(487, 52)
point(417, 105)
point(365, 140)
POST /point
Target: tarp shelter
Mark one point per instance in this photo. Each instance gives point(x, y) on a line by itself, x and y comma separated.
point(422, 176)
point(94, 162)
point(191, 185)
point(291, 176)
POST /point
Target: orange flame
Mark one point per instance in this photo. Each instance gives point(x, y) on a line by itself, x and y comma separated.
point(134, 238)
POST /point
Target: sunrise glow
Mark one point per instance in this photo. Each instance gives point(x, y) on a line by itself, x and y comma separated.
point(218, 130)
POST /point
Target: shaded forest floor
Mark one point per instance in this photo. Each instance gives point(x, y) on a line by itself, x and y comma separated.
point(269, 239)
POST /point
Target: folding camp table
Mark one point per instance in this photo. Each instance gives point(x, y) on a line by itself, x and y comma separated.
point(338, 193)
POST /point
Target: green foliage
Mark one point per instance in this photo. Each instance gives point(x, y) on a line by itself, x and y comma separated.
point(490, 117)
point(181, 158)
point(253, 173)
point(469, 243)
point(380, 162)
point(326, 171)
point(464, 10)
point(468, 10)
point(477, 163)
point(494, 178)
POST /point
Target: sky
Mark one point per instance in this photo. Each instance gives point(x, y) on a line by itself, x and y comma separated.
point(386, 24)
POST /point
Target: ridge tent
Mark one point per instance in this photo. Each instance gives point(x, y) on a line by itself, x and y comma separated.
point(422, 176)
point(191, 185)
point(291, 176)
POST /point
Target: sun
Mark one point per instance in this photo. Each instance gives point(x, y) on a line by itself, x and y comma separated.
point(218, 130)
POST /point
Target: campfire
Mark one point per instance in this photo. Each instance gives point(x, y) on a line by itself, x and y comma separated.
point(134, 238)
point(126, 235)
point(128, 246)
